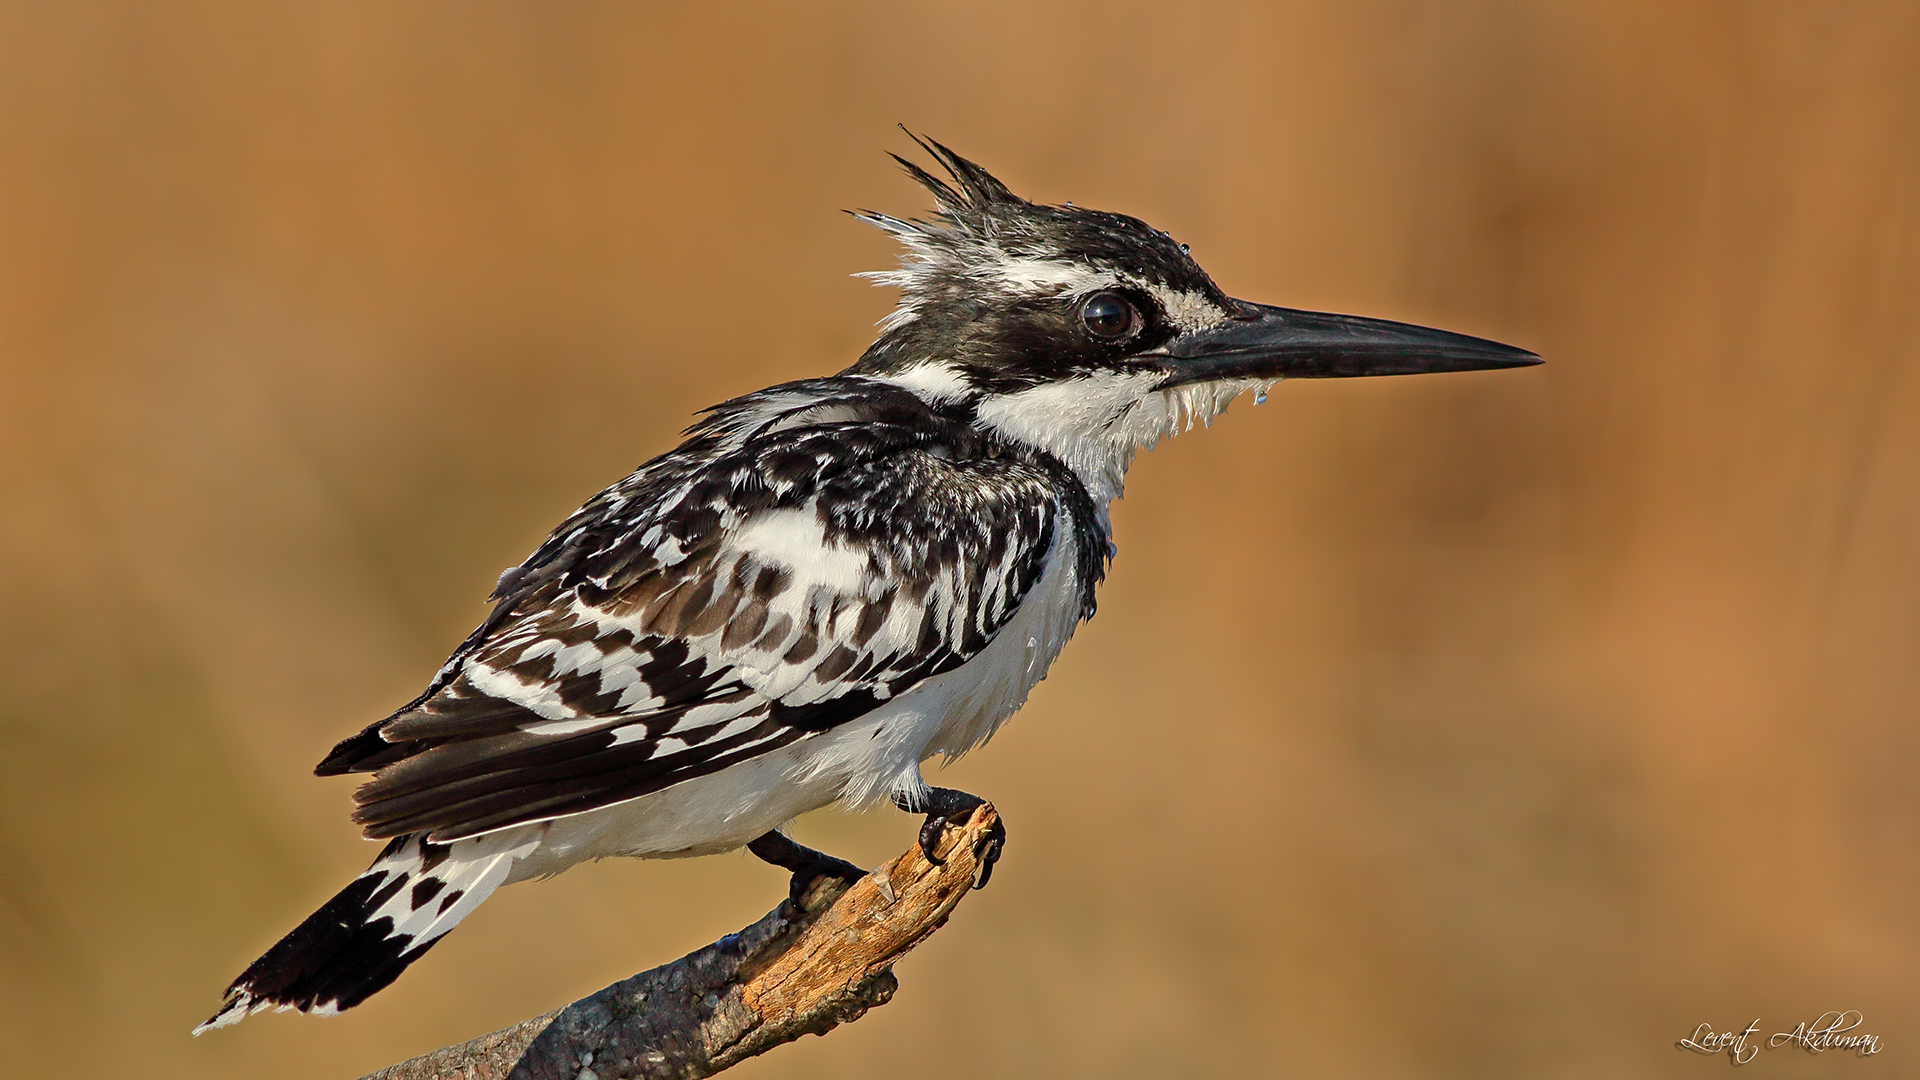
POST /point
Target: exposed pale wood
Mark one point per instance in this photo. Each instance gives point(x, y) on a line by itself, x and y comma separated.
point(792, 973)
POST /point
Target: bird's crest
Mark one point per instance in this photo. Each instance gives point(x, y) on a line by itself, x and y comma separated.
point(979, 191)
point(974, 205)
point(983, 238)
point(976, 211)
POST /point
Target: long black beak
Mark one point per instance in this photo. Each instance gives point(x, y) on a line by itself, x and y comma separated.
point(1280, 343)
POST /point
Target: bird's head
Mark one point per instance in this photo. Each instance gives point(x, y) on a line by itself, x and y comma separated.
point(1090, 334)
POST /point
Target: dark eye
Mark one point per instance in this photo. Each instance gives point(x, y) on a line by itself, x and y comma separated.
point(1109, 316)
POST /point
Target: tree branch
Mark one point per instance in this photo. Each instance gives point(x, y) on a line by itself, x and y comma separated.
point(795, 972)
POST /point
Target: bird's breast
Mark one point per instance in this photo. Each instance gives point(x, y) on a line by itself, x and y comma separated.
point(973, 700)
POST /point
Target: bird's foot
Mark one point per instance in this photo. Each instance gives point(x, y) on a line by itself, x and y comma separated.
point(806, 864)
point(945, 806)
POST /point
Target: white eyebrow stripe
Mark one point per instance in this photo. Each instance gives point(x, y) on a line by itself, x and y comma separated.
point(1047, 275)
point(1034, 276)
point(1185, 310)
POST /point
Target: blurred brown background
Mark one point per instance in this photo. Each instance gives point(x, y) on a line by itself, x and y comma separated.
point(1487, 725)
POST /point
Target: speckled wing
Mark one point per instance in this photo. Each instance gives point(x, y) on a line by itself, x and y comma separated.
point(811, 552)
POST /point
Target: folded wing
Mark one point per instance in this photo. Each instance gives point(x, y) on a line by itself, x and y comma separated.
point(813, 551)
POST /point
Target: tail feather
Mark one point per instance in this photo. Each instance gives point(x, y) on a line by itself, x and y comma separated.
point(363, 938)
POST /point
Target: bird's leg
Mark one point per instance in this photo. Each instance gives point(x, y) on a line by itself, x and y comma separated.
point(806, 864)
point(944, 806)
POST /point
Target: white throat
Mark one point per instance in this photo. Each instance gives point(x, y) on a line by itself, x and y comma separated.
point(1095, 423)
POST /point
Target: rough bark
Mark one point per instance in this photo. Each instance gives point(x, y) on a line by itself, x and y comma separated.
point(797, 971)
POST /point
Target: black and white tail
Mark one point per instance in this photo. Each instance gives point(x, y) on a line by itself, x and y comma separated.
point(365, 936)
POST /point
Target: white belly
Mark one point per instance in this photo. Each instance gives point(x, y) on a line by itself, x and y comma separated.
point(858, 762)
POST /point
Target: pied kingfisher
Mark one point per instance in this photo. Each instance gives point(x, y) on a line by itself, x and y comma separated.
point(828, 583)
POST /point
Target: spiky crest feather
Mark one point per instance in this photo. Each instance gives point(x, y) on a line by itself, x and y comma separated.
point(983, 234)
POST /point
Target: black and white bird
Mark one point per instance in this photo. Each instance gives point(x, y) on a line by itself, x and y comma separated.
point(829, 583)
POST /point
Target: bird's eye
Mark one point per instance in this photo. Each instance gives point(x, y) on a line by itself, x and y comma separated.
point(1109, 316)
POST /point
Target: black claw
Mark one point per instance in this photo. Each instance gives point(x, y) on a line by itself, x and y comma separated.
point(806, 864)
point(987, 850)
point(945, 806)
point(930, 831)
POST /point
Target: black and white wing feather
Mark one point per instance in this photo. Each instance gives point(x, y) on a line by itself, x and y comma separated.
point(812, 551)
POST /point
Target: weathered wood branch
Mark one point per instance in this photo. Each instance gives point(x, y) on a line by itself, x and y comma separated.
point(795, 972)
